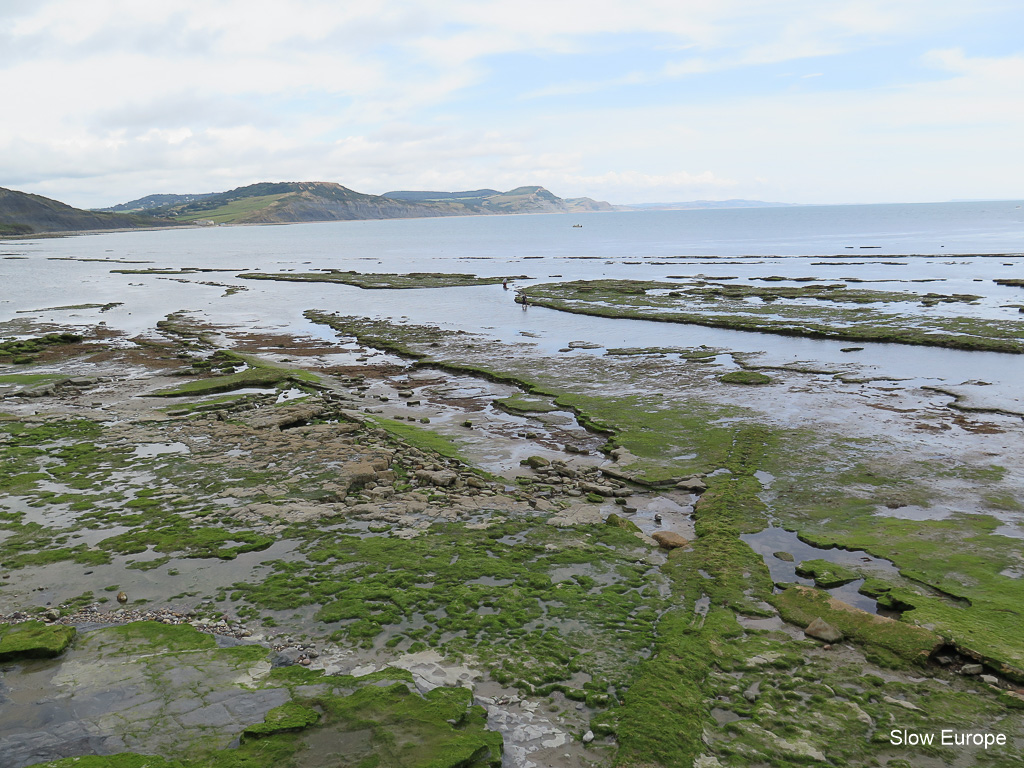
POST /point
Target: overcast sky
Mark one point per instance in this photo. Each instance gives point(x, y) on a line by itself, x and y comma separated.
point(811, 101)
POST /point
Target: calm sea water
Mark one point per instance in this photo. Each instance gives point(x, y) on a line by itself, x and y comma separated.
point(897, 243)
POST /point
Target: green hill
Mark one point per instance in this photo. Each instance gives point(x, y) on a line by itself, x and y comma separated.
point(275, 203)
point(284, 202)
point(22, 213)
point(462, 197)
point(519, 200)
point(149, 202)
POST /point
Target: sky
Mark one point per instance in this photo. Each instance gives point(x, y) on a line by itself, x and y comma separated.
point(801, 101)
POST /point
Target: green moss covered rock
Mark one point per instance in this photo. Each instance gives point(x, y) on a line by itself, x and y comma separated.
point(745, 377)
point(33, 640)
point(825, 574)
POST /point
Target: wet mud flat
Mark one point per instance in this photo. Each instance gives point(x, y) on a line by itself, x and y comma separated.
point(371, 523)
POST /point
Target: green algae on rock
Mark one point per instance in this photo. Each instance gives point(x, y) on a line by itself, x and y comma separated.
point(781, 312)
point(825, 574)
point(256, 373)
point(888, 641)
point(24, 351)
point(377, 280)
point(745, 377)
point(520, 403)
point(832, 490)
point(33, 640)
point(183, 678)
point(287, 718)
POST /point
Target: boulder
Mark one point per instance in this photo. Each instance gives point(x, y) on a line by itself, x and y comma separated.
point(669, 539)
point(692, 484)
point(822, 630)
point(621, 522)
point(362, 472)
point(442, 479)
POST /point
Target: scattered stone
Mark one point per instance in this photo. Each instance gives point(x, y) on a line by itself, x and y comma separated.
point(122, 597)
point(360, 473)
point(861, 715)
point(621, 522)
point(822, 630)
point(901, 703)
point(536, 462)
point(443, 479)
point(588, 737)
point(692, 484)
point(990, 679)
point(669, 539)
point(972, 669)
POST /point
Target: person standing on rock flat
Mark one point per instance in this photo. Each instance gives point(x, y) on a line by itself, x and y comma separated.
point(504, 283)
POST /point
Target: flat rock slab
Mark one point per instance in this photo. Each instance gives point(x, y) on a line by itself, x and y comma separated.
point(113, 691)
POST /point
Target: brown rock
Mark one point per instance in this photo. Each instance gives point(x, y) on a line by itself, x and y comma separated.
point(822, 630)
point(442, 479)
point(669, 540)
point(692, 484)
point(288, 416)
point(361, 472)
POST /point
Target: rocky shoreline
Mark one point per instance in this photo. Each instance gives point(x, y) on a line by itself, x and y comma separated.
point(329, 522)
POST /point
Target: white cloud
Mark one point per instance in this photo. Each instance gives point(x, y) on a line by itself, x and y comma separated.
point(110, 99)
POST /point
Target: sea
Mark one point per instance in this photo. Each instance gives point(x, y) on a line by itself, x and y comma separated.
point(957, 247)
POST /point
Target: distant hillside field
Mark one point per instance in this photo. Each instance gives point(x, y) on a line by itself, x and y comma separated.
point(149, 202)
